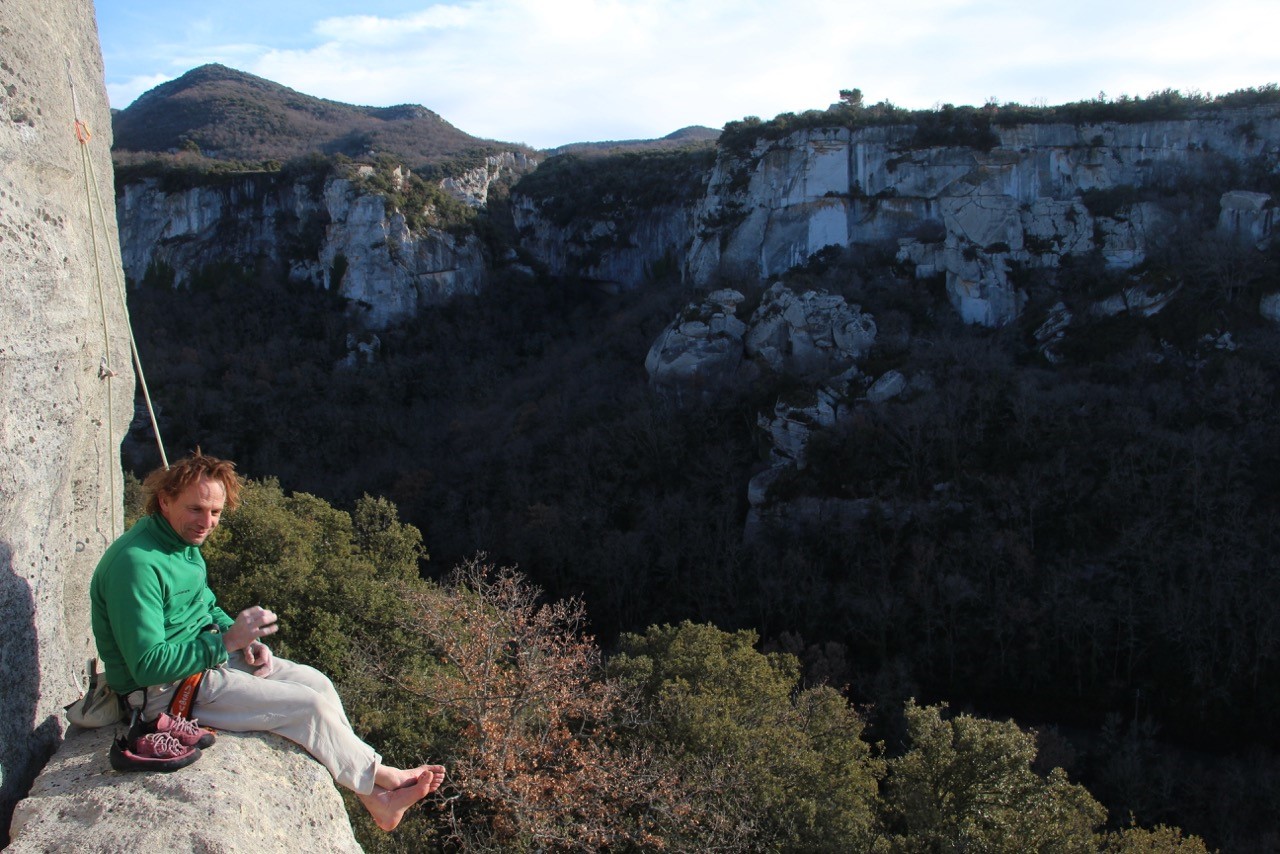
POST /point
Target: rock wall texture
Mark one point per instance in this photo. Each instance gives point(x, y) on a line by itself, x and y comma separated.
point(61, 423)
point(1038, 197)
point(331, 233)
point(251, 792)
point(1043, 193)
point(622, 251)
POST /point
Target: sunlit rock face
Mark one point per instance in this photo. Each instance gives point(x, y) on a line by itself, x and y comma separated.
point(1041, 194)
point(336, 235)
point(248, 792)
point(65, 374)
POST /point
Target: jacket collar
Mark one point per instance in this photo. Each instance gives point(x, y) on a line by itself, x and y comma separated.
point(167, 536)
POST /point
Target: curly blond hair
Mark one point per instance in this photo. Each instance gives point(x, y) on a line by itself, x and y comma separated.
point(178, 476)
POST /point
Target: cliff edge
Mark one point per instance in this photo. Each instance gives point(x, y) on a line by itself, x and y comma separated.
point(249, 792)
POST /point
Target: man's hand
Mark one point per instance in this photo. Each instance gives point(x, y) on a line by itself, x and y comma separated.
point(259, 655)
point(251, 624)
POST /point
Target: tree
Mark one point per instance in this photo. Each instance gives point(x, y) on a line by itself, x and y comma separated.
point(851, 98)
point(966, 784)
point(1158, 840)
point(767, 767)
point(537, 767)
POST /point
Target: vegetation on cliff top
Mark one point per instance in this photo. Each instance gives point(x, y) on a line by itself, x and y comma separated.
point(949, 124)
point(605, 187)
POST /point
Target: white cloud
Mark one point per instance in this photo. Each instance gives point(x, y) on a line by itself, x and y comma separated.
point(122, 94)
point(546, 74)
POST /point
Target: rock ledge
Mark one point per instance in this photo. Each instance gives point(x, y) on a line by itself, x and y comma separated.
point(249, 792)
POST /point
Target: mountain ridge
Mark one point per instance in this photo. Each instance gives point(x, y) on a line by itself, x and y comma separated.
point(226, 114)
point(222, 113)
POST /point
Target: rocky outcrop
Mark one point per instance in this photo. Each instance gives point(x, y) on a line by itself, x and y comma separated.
point(815, 341)
point(372, 256)
point(67, 383)
point(473, 185)
point(249, 792)
point(65, 334)
point(701, 352)
point(336, 234)
point(1247, 217)
point(812, 337)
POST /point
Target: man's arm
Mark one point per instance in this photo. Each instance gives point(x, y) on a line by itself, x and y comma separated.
point(135, 607)
point(220, 617)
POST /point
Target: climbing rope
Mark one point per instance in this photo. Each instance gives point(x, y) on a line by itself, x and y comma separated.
point(93, 191)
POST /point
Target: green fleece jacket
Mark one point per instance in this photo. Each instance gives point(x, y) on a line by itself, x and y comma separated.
point(150, 605)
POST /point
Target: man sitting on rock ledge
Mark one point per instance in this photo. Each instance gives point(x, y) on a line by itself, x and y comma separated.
point(156, 622)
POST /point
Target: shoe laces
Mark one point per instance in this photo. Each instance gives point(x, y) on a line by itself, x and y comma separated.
point(163, 744)
point(180, 726)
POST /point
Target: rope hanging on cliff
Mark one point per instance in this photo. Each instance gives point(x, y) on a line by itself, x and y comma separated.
point(93, 192)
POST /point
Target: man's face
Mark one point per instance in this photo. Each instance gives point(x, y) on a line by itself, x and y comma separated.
point(196, 511)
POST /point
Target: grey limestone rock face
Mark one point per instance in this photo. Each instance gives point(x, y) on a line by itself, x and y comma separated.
point(472, 187)
point(813, 336)
point(251, 792)
point(64, 322)
point(339, 236)
point(1247, 217)
point(620, 252)
point(1021, 202)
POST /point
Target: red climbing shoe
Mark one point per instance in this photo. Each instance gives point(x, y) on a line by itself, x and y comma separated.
point(157, 751)
point(185, 730)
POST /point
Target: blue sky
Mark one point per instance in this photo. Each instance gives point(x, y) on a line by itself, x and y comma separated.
point(549, 72)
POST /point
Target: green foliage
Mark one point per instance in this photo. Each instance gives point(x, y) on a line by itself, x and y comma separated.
point(769, 768)
point(338, 271)
point(422, 203)
point(135, 500)
point(547, 753)
point(1111, 201)
point(611, 186)
point(177, 173)
point(159, 274)
point(966, 784)
point(310, 563)
point(1157, 840)
point(961, 127)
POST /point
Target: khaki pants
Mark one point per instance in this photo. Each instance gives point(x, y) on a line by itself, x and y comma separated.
point(295, 701)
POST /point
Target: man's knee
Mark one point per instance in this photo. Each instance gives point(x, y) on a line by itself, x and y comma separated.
point(304, 674)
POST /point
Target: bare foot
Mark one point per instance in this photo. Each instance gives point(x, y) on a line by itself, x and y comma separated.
point(388, 805)
point(435, 773)
point(388, 777)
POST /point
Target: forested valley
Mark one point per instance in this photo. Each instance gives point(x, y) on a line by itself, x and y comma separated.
point(1086, 547)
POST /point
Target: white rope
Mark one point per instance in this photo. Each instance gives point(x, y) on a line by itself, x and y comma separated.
point(106, 372)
